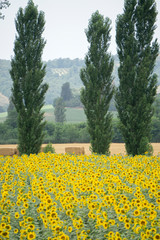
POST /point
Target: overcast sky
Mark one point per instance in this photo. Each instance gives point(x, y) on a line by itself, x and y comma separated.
point(66, 21)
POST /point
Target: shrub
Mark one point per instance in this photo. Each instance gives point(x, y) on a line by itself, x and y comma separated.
point(49, 148)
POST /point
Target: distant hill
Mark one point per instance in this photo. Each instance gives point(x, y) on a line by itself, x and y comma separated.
point(58, 71)
point(3, 102)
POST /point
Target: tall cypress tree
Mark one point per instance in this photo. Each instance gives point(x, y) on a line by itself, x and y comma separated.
point(97, 79)
point(27, 73)
point(137, 53)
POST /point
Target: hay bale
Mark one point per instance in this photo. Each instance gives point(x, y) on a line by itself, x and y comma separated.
point(75, 150)
point(8, 151)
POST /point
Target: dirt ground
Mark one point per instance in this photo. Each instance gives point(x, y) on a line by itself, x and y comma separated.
point(115, 148)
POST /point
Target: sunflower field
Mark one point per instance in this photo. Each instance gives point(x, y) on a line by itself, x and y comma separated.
point(60, 196)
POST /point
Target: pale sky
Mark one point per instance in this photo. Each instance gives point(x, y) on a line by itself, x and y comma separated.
point(66, 21)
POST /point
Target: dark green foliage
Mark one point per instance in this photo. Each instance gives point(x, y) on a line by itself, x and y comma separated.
point(137, 53)
point(78, 132)
point(8, 134)
point(66, 93)
point(12, 118)
point(58, 134)
point(50, 128)
point(59, 111)
point(75, 101)
point(70, 133)
point(156, 106)
point(155, 129)
point(117, 135)
point(49, 148)
point(27, 73)
point(97, 79)
point(70, 99)
point(66, 133)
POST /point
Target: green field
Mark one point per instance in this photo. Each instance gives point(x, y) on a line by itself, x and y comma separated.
point(73, 115)
point(3, 116)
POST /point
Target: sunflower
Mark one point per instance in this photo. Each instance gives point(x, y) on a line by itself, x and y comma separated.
point(31, 226)
point(127, 225)
point(104, 215)
point(153, 230)
point(31, 235)
point(16, 215)
point(16, 231)
point(29, 219)
point(5, 234)
point(126, 207)
point(143, 223)
point(158, 201)
point(25, 205)
point(8, 227)
point(105, 225)
point(118, 238)
point(23, 211)
point(3, 225)
point(156, 237)
point(136, 212)
point(69, 229)
point(3, 218)
point(121, 218)
point(110, 234)
point(64, 237)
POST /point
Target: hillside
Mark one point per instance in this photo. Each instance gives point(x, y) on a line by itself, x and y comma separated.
point(58, 71)
point(3, 102)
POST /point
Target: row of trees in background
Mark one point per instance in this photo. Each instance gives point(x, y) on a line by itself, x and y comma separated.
point(69, 132)
point(66, 132)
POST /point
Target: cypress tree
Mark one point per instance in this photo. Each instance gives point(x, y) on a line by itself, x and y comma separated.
point(60, 110)
point(97, 79)
point(137, 53)
point(66, 93)
point(27, 73)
